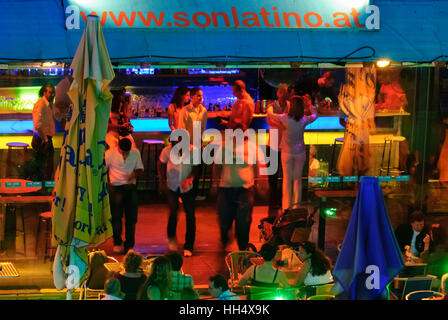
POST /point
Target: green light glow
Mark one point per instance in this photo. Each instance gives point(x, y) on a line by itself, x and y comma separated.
point(330, 212)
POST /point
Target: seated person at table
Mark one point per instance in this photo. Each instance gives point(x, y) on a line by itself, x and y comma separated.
point(132, 277)
point(98, 273)
point(265, 275)
point(219, 289)
point(157, 285)
point(316, 269)
point(112, 288)
point(179, 281)
point(414, 234)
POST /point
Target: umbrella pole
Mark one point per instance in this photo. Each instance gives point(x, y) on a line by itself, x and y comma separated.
point(69, 295)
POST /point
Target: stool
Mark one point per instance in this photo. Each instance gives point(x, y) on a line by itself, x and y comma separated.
point(15, 145)
point(336, 141)
point(45, 217)
point(156, 147)
point(389, 141)
point(22, 231)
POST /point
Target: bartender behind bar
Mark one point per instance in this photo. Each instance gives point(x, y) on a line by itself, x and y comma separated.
point(43, 131)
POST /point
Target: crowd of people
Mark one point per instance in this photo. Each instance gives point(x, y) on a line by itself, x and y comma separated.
point(233, 183)
point(162, 278)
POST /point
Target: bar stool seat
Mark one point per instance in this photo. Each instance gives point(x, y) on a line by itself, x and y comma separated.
point(46, 218)
point(155, 146)
point(17, 145)
point(333, 151)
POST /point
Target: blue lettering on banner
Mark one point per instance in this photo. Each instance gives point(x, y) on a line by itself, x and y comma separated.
point(315, 179)
point(83, 112)
point(77, 225)
point(332, 179)
point(367, 177)
point(83, 190)
point(103, 193)
point(385, 178)
point(63, 205)
point(99, 230)
point(350, 179)
point(88, 161)
point(82, 136)
point(65, 136)
point(402, 178)
point(70, 155)
point(56, 201)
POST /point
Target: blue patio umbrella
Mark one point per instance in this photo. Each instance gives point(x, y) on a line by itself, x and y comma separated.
point(370, 256)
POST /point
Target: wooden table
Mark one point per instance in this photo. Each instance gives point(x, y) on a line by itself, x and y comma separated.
point(8, 224)
point(8, 270)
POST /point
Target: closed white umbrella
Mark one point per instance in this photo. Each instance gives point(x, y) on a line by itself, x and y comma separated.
point(81, 212)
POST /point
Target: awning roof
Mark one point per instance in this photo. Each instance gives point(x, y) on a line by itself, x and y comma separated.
point(413, 31)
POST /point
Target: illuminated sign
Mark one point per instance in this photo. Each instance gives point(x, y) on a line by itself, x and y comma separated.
point(248, 14)
point(213, 71)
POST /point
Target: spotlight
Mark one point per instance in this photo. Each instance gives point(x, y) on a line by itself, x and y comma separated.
point(383, 63)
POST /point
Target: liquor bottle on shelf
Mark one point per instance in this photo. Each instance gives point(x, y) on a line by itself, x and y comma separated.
point(210, 105)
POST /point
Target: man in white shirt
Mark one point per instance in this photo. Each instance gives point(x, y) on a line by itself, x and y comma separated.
point(124, 165)
point(177, 181)
point(44, 130)
point(236, 189)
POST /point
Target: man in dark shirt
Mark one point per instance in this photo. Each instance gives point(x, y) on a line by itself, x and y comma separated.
point(415, 235)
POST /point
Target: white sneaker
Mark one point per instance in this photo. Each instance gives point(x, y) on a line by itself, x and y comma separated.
point(188, 253)
point(117, 249)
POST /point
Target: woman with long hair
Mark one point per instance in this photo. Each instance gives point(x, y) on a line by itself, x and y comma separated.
point(157, 285)
point(265, 275)
point(293, 148)
point(316, 269)
point(131, 278)
point(180, 98)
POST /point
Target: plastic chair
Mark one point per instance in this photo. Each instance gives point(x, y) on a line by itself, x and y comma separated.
point(270, 293)
point(422, 294)
point(237, 263)
point(85, 293)
point(416, 284)
point(322, 297)
point(442, 283)
point(318, 290)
